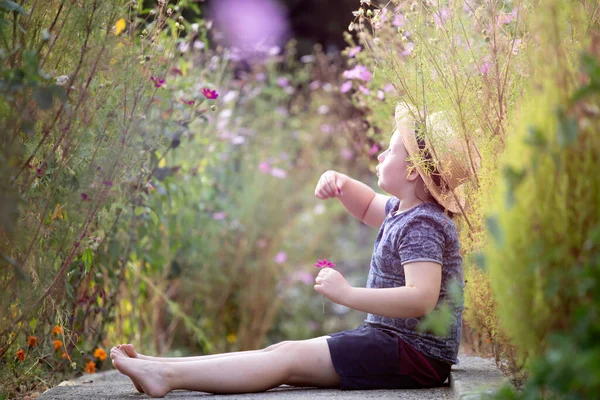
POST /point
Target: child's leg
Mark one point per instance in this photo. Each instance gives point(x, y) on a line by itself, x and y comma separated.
point(302, 362)
point(130, 351)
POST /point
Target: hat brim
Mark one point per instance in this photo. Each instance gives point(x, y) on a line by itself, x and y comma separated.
point(452, 200)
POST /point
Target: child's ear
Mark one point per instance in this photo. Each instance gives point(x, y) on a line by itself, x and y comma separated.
point(411, 172)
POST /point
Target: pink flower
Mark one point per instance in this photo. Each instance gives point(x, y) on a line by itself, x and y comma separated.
point(84, 196)
point(264, 167)
point(364, 90)
point(345, 87)
point(278, 173)
point(399, 20)
point(281, 257)
point(303, 277)
point(314, 85)
point(176, 71)
point(408, 49)
point(158, 82)
point(388, 88)
point(283, 82)
point(218, 216)
point(484, 68)
point(441, 17)
point(380, 95)
point(359, 72)
point(188, 102)
point(210, 94)
point(324, 264)
point(374, 149)
point(354, 51)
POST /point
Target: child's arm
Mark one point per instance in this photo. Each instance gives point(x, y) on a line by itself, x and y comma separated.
point(359, 199)
point(417, 298)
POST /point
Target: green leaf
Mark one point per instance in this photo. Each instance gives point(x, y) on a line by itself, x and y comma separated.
point(493, 227)
point(43, 97)
point(154, 217)
point(513, 178)
point(567, 128)
point(33, 324)
point(87, 257)
point(535, 137)
point(139, 211)
point(9, 6)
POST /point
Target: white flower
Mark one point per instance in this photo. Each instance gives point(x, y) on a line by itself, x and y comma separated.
point(62, 80)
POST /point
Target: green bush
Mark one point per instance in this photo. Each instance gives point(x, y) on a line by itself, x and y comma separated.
point(544, 250)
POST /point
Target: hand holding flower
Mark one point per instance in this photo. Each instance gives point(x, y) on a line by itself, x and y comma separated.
point(331, 284)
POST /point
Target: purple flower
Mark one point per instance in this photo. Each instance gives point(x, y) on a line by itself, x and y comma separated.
point(364, 90)
point(354, 51)
point(158, 82)
point(250, 24)
point(388, 88)
point(408, 49)
point(484, 68)
point(374, 149)
point(281, 257)
point(380, 94)
point(326, 128)
point(441, 17)
point(359, 72)
point(218, 216)
point(324, 264)
point(278, 173)
point(303, 277)
point(264, 167)
point(346, 86)
point(314, 85)
point(84, 196)
point(283, 82)
point(399, 20)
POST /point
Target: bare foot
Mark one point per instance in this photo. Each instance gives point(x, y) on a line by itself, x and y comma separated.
point(124, 353)
point(151, 375)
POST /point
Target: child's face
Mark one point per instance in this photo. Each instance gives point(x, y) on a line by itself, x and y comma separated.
point(393, 166)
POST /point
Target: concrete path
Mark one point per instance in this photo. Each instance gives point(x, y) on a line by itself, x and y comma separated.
point(470, 376)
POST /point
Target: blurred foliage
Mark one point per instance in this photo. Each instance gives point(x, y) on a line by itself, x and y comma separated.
point(139, 208)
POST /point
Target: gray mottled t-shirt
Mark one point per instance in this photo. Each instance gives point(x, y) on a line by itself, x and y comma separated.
point(422, 233)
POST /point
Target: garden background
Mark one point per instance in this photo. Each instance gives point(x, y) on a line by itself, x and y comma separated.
point(159, 159)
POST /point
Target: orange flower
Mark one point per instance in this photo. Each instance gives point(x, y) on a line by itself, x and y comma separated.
point(21, 355)
point(57, 330)
point(65, 355)
point(32, 341)
point(100, 354)
point(57, 344)
point(90, 368)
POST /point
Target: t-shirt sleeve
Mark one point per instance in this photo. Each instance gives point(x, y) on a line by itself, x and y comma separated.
point(421, 239)
point(390, 204)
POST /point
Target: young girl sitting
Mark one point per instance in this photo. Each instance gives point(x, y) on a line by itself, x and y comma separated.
point(415, 257)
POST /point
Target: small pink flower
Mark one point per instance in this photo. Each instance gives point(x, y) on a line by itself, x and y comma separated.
point(314, 85)
point(176, 71)
point(388, 88)
point(345, 87)
point(210, 94)
point(359, 72)
point(278, 173)
point(380, 95)
point(399, 20)
point(158, 82)
point(283, 82)
point(264, 167)
point(188, 102)
point(324, 264)
point(303, 277)
point(281, 257)
point(374, 149)
point(364, 90)
point(218, 216)
point(354, 51)
point(484, 68)
point(84, 196)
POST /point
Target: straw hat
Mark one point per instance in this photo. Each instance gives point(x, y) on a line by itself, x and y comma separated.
point(442, 152)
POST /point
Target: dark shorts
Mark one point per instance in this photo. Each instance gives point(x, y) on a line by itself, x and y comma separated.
point(374, 358)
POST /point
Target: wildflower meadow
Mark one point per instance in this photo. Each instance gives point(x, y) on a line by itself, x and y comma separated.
point(159, 158)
